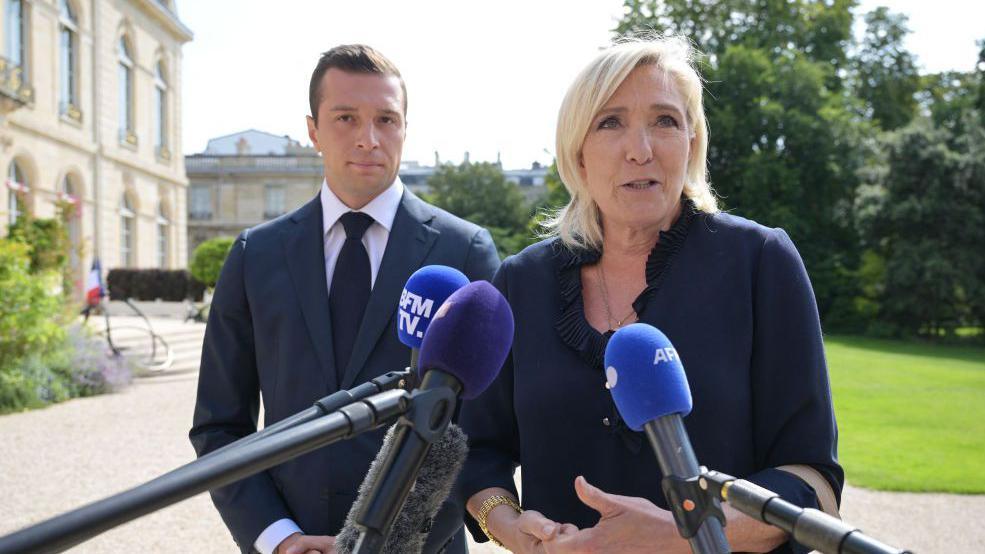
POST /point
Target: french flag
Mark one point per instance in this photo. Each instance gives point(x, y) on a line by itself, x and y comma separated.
point(94, 284)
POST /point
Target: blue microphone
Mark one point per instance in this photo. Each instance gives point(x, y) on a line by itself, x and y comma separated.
point(426, 290)
point(648, 384)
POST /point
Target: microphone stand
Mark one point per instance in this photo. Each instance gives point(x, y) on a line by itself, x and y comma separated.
point(428, 417)
point(405, 379)
point(698, 516)
point(71, 528)
point(811, 528)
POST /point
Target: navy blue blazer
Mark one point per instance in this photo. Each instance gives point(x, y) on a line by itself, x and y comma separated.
point(269, 333)
point(734, 298)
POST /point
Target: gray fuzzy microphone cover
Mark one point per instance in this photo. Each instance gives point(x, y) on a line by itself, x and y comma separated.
point(434, 482)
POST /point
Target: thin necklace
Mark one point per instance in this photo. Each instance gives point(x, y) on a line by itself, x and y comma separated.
point(605, 301)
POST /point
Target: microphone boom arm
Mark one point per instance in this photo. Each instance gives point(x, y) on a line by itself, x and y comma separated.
point(811, 528)
point(71, 528)
point(405, 379)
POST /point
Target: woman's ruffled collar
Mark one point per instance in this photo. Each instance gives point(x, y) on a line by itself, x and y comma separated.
point(571, 325)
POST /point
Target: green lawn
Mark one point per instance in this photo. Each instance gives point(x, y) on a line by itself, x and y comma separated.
point(911, 417)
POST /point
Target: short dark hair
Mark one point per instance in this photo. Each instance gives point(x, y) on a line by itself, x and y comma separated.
point(352, 58)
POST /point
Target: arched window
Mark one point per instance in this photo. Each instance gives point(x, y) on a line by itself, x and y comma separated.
point(68, 30)
point(16, 33)
point(127, 228)
point(17, 187)
point(163, 229)
point(161, 112)
point(126, 72)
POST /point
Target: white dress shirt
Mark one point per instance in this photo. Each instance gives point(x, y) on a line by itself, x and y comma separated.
point(383, 209)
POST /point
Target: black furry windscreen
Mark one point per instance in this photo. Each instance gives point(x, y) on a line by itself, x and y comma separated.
point(434, 482)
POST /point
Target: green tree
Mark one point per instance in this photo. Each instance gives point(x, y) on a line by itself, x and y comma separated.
point(557, 195)
point(926, 218)
point(885, 73)
point(818, 29)
point(786, 137)
point(947, 96)
point(208, 258)
point(980, 73)
point(481, 194)
point(972, 146)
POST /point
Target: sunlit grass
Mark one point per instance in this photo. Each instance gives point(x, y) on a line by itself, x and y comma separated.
point(911, 416)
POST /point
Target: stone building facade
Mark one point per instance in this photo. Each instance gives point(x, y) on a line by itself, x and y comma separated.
point(246, 178)
point(90, 114)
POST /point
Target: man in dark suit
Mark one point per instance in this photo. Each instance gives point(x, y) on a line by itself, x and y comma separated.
point(306, 305)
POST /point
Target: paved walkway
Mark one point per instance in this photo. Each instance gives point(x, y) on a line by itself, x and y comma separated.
point(64, 456)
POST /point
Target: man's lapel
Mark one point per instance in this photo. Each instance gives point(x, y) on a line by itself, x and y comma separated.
point(411, 238)
point(304, 248)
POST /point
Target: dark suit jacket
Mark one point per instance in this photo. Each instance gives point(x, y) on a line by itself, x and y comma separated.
point(269, 332)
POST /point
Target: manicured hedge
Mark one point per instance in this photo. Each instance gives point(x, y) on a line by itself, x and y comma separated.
point(172, 285)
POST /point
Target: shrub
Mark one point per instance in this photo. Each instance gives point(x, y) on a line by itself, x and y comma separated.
point(29, 312)
point(47, 242)
point(40, 361)
point(208, 258)
point(77, 365)
point(93, 368)
point(152, 284)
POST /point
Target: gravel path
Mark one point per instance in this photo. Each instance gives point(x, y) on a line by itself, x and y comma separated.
point(73, 453)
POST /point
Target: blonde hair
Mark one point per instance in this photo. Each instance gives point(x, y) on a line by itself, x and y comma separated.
point(578, 223)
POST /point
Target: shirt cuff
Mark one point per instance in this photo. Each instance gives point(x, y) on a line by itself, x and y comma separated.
point(274, 534)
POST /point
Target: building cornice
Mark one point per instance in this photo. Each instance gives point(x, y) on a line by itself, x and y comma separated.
point(144, 167)
point(170, 174)
point(168, 19)
point(48, 133)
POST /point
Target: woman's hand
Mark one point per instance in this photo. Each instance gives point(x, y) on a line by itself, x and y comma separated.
point(628, 524)
point(521, 532)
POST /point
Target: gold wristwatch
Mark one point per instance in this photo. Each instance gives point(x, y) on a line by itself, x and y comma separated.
point(488, 506)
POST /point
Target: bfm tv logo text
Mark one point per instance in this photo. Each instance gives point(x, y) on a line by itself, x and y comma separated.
point(412, 308)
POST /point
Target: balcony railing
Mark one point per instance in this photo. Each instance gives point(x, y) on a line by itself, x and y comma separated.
point(308, 165)
point(199, 216)
point(12, 85)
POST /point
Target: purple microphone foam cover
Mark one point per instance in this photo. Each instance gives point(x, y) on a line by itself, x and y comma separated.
point(469, 337)
point(645, 376)
point(425, 291)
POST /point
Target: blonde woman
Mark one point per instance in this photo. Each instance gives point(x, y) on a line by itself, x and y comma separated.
point(642, 240)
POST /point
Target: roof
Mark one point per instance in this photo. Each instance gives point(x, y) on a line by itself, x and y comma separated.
point(251, 142)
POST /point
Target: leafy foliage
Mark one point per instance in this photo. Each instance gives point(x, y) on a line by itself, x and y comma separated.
point(797, 111)
point(930, 225)
point(29, 313)
point(885, 73)
point(481, 194)
point(208, 258)
point(42, 359)
point(46, 239)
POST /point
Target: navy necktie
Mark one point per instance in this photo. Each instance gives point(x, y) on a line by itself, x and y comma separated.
point(351, 284)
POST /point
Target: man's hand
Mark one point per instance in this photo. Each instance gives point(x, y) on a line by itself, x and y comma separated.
point(306, 544)
point(628, 524)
